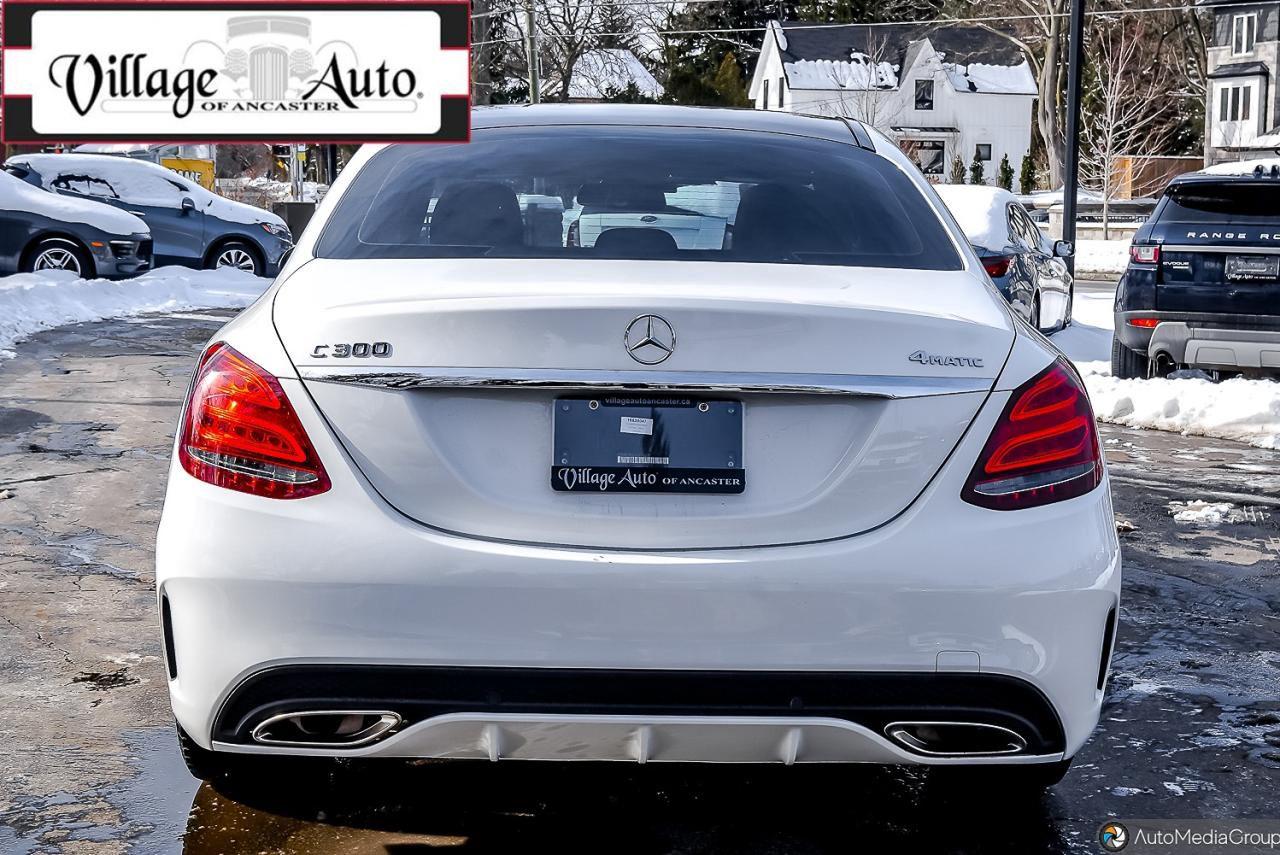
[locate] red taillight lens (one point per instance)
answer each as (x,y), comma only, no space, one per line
(996,265)
(240,432)
(1145,254)
(1044,448)
(1145,323)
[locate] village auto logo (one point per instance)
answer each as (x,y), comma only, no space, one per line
(240,70)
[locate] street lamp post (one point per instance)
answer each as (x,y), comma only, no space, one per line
(1071,182)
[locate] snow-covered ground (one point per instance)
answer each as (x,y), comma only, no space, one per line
(1188,402)
(30,302)
(1107,257)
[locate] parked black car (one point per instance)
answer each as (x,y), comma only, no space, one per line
(190,226)
(41,231)
(1024,264)
(1202,288)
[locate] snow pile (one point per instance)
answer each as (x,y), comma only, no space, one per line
(1240,167)
(598,72)
(262,191)
(30,302)
(1239,409)
(1101,256)
(138,182)
(1205,513)
(1000,79)
(858,72)
(980,211)
(18,195)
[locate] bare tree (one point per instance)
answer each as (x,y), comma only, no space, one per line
(1130,105)
(566,29)
(867,86)
(1040,29)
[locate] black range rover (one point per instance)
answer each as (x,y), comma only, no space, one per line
(1202,289)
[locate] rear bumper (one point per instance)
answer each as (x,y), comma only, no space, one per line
(1203,340)
(644,715)
(257,586)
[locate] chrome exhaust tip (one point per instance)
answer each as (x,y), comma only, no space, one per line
(955,738)
(325,728)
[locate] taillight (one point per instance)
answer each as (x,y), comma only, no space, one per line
(1145,254)
(573,238)
(240,432)
(996,265)
(1044,448)
(1145,323)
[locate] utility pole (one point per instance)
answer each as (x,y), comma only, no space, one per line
(1071,183)
(531,53)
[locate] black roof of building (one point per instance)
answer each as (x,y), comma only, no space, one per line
(1239,69)
(889,43)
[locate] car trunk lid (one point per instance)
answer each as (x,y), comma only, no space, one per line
(853,386)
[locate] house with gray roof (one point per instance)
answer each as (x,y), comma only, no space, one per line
(1242,101)
(940,91)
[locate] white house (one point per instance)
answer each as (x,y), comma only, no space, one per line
(941,91)
(604,73)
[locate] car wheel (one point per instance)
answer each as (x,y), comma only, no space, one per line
(1127,364)
(239,255)
(59,254)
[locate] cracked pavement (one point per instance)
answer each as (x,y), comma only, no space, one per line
(88,762)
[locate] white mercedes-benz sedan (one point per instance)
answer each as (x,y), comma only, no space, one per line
(463,484)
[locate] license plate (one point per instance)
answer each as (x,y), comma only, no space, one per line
(1254,267)
(647,444)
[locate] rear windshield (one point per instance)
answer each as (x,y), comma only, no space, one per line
(1223,203)
(638,193)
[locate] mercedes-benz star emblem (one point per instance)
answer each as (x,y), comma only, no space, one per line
(649,339)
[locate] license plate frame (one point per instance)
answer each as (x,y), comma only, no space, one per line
(1252,268)
(623,443)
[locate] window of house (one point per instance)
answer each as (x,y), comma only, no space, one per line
(766,94)
(983,151)
(929,155)
(924,94)
(782,98)
(1244,32)
(1234,103)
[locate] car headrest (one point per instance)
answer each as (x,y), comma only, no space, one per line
(623,196)
(636,243)
(477,213)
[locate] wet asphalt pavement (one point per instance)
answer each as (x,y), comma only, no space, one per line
(88,763)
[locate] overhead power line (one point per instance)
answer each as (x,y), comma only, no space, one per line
(993,19)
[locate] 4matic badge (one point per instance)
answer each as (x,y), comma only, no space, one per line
(950,361)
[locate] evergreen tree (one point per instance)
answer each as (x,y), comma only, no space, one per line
(1004,178)
(727,83)
(957,170)
(975,171)
(620,28)
(1027,177)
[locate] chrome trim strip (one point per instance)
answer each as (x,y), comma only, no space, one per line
(1234,250)
(697,382)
